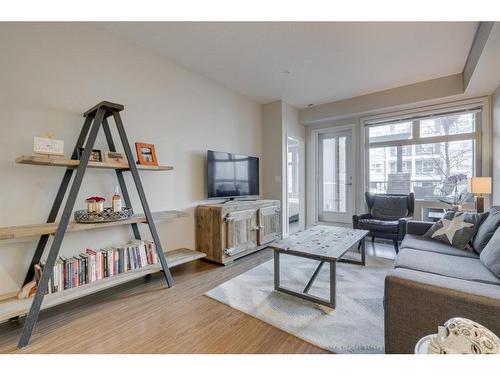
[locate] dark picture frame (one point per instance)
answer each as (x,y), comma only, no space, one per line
(146,153)
(95,155)
(115,157)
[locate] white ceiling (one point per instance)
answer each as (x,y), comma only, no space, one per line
(305,63)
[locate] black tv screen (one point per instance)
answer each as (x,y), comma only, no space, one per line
(231,175)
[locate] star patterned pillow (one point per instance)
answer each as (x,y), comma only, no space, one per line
(455,228)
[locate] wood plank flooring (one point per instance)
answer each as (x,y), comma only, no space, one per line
(144,317)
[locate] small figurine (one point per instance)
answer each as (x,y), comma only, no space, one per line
(29,290)
(463,336)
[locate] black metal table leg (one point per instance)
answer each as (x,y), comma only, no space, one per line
(313,277)
(363,252)
(333,284)
(276,270)
(330,302)
(361,262)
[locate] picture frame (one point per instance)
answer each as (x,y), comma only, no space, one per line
(146,153)
(48,146)
(95,155)
(115,157)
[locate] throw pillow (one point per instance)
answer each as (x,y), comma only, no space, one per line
(490,256)
(487,229)
(455,228)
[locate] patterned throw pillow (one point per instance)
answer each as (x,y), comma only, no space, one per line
(455,228)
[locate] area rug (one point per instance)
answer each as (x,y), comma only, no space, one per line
(356,325)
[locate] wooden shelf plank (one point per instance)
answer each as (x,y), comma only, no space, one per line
(13,307)
(19,231)
(69,163)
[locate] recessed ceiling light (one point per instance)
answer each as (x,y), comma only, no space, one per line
(310,105)
(287,72)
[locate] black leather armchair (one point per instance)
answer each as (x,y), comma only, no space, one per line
(387,217)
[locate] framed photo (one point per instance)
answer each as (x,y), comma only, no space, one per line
(146,153)
(48,146)
(115,157)
(95,155)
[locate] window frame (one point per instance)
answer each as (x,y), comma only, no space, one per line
(479,106)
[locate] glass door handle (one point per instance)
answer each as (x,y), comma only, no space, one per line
(348,183)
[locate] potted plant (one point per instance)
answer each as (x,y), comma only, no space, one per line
(458,196)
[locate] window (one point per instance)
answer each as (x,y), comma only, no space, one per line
(424,167)
(377,168)
(422,154)
(393,167)
(407,166)
(391,132)
(448,125)
(406,150)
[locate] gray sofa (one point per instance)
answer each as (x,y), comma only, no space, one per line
(433,282)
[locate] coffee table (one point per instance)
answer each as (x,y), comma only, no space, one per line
(325,244)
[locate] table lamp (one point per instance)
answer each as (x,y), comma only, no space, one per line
(480,186)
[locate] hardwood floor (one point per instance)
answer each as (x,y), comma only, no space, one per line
(145,317)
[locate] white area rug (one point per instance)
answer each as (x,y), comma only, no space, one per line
(355,326)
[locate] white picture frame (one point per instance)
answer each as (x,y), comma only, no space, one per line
(48,146)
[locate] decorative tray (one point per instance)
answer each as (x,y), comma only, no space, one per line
(106,216)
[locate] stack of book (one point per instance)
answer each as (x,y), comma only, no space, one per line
(93,265)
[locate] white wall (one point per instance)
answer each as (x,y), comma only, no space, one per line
(294,128)
(272,149)
(291,122)
(51,73)
(385,100)
(279,120)
(495,109)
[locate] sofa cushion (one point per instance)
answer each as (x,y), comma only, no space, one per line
(486,229)
(440,281)
(490,256)
(389,207)
(455,228)
(463,268)
(388,226)
(412,241)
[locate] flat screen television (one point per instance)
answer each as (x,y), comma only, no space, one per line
(232,175)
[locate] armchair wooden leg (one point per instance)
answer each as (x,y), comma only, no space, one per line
(396,246)
(373,239)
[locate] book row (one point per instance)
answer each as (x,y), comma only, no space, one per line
(93,265)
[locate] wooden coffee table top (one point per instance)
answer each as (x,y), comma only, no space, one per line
(320,242)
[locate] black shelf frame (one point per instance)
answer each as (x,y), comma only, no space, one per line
(94,118)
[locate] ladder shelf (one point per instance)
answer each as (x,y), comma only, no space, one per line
(95,119)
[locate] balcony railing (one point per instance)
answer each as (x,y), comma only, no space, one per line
(423,189)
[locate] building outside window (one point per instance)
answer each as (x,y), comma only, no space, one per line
(422,153)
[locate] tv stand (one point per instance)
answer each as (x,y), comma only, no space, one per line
(227,232)
(236,199)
